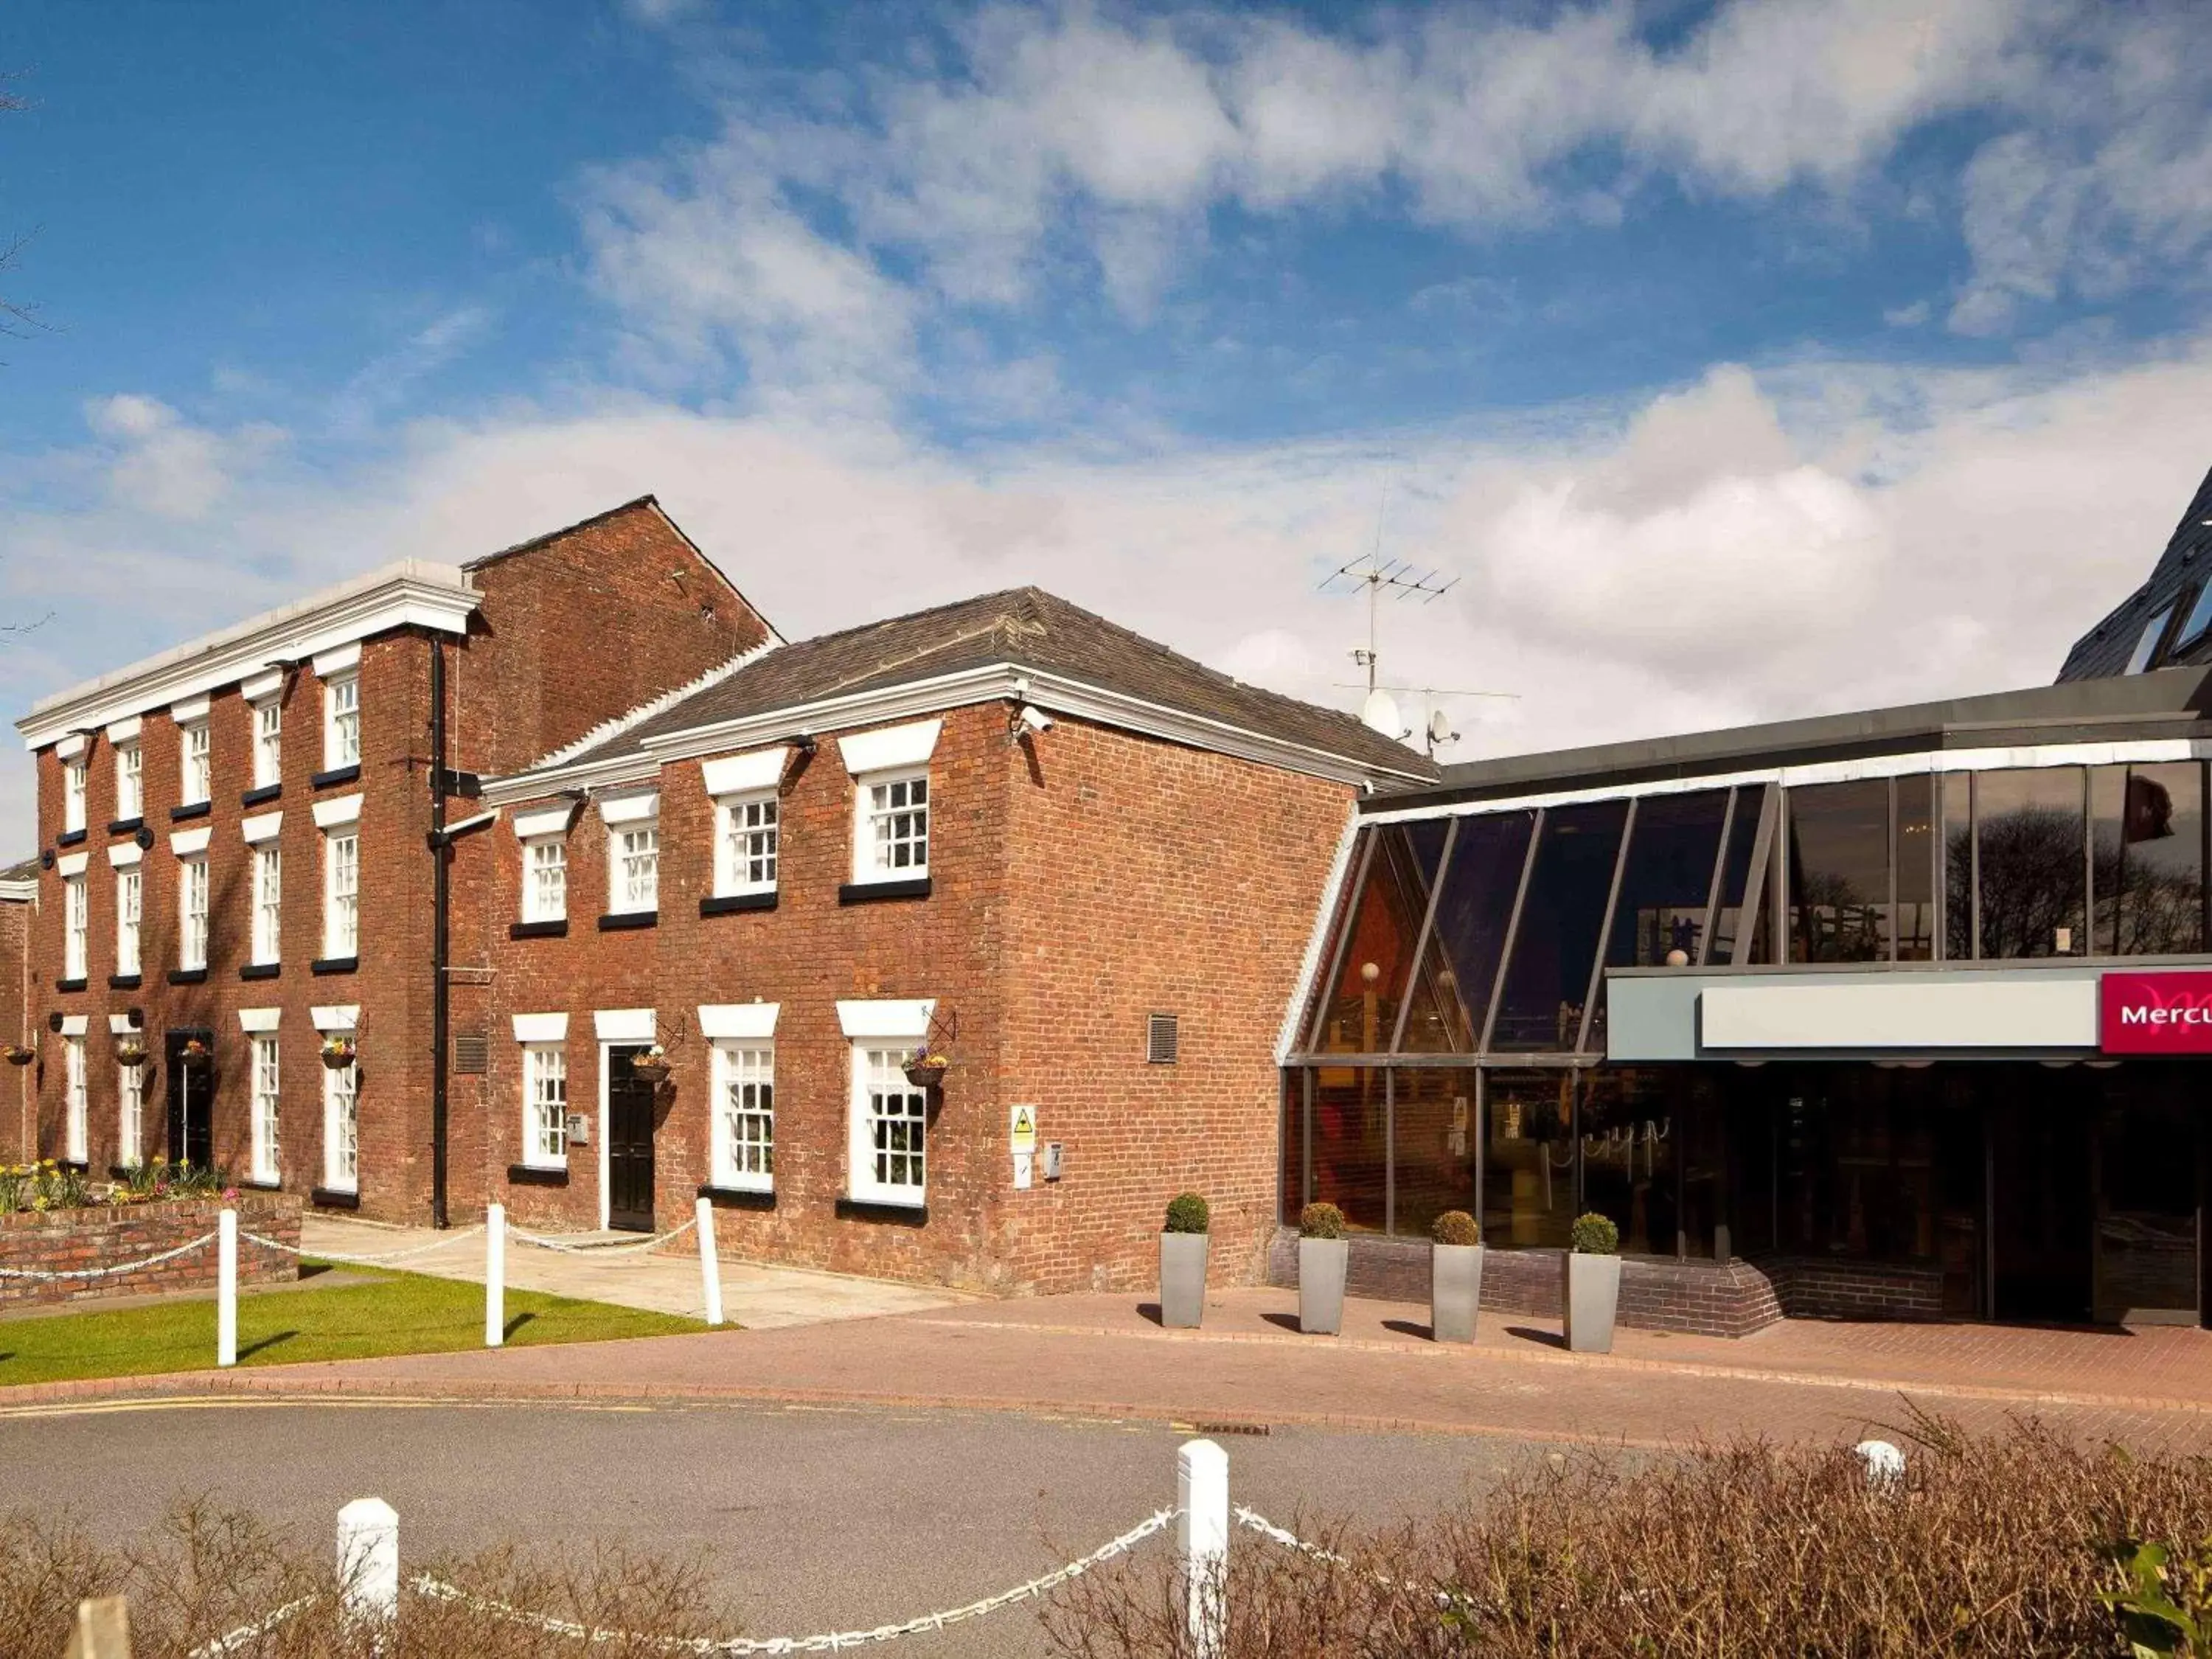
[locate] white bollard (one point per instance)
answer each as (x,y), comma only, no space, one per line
(1884,1464)
(368,1560)
(710,1265)
(1202,1538)
(226,1288)
(495,1275)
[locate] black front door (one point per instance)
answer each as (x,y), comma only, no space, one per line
(630,1145)
(190,1091)
(2043,1220)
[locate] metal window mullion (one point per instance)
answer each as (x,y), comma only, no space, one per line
(1896,921)
(1481,1143)
(1355,890)
(1974,864)
(1720,874)
(1389,1152)
(2088,946)
(1755,881)
(1421,938)
(1605,929)
(1512,930)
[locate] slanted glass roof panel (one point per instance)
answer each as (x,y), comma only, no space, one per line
(1668,880)
(2147,826)
(1548,980)
(2147,645)
(1360,1009)
(1472,913)
(2199,619)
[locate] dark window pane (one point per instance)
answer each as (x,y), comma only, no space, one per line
(1916,868)
(1529,1160)
(1541,1005)
(1736,878)
(2147,1224)
(1347,905)
(1435,1147)
(1668,879)
(1470,933)
(1349,1150)
(1839,871)
(1629,1147)
(2033,842)
(1957,867)
(1361,1010)
(2149,825)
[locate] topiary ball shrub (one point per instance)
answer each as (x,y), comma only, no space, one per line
(1188,1213)
(1594,1234)
(1456,1227)
(1321,1221)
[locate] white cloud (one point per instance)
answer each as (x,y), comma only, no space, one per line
(160,464)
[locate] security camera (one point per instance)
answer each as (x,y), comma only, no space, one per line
(1034,718)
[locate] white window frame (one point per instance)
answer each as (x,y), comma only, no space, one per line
(192,913)
(634,867)
(545,879)
(76,1129)
(268,931)
(195,762)
(268,739)
(545,1105)
(73,796)
(341,893)
(129,781)
(266,1079)
(76,926)
(342,1128)
(742,1122)
(878,1071)
(131,1115)
(341,721)
(129,916)
(870,852)
(742,824)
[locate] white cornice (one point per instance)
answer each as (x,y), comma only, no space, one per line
(20,891)
(994,682)
(411,593)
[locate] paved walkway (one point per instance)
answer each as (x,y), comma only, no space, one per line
(1105,1357)
(759,1298)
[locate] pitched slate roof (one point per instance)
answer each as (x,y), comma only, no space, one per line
(1028,628)
(2177,579)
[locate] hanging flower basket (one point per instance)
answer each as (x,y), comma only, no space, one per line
(650,1064)
(340,1052)
(16,1055)
(197,1054)
(925,1069)
(130,1052)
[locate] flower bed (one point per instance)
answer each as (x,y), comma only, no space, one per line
(76,1239)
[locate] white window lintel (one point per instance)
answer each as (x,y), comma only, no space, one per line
(330,814)
(630,809)
(623,1025)
(191,711)
(738,1021)
(70,747)
(892,749)
(543,821)
(186,844)
(745,775)
(262,828)
(74,1025)
(124,854)
(258,1019)
(120,1026)
(262,687)
(904,1017)
(125,730)
(541,1028)
(339,660)
(343,1017)
(72,864)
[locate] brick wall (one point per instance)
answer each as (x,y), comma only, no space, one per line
(75,1240)
(17,1096)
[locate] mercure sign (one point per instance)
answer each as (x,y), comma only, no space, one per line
(2155,1013)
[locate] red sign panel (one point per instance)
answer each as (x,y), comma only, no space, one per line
(2155,1013)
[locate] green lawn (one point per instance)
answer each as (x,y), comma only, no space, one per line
(396,1313)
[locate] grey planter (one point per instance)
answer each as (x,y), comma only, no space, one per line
(1182,1279)
(1589,1296)
(1454,1290)
(1320,1284)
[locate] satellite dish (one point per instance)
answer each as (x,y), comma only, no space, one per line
(1380,712)
(1440,727)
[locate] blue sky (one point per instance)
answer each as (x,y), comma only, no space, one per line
(1740,359)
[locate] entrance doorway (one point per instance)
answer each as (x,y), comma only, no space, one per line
(2148,1156)
(2041,1211)
(190,1099)
(629,1144)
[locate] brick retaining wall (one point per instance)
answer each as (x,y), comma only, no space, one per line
(77,1239)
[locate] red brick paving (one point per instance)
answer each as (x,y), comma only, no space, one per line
(1101,1356)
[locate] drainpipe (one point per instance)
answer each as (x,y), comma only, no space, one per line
(440,920)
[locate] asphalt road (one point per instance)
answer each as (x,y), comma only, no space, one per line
(811,1519)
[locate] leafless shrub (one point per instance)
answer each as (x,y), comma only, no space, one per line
(1990,1545)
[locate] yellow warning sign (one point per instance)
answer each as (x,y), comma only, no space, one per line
(1025,1128)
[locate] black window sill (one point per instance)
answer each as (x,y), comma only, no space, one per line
(71,984)
(187,975)
(621,921)
(334,965)
(903,1215)
(69,838)
(120,1172)
(539,929)
(729,903)
(260,970)
(77,1163)
(125,981)
(259,1186)
(324,1199)
(738,1198)
(267,792)
(193,809)
(867,892)
(531,1174)
(125,826)
(335,777)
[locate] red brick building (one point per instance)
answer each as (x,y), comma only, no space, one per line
(19,897)
(244,850)
(1082,870)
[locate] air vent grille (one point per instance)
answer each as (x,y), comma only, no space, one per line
(1161,1038)
(472,1053)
